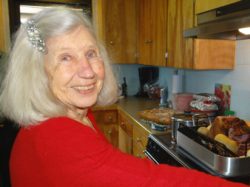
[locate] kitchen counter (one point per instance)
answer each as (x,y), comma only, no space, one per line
(131,106)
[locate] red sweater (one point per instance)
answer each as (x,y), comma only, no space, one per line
(62,152)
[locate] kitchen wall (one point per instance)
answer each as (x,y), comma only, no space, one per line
(239,79)
(204,81)
(132,77)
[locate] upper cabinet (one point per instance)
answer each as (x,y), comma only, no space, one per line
(115,21)
(205,5)
(4,27)
(180,17)
(152,32)
(188,53)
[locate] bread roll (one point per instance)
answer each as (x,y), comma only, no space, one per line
(248,152)
(209,127)
(229,143)
(203,130)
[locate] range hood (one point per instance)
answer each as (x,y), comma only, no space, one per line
(222,22)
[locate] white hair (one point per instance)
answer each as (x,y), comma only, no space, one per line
(25,96)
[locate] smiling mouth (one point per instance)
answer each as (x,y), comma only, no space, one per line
(85,88)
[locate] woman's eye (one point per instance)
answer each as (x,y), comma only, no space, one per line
(91,54)
(66,58)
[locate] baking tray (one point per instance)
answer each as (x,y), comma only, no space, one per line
(226,166)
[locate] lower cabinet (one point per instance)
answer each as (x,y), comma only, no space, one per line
(122,131)
(107,121)
(125,134)
(140,139)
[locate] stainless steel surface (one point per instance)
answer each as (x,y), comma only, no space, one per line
(151,157)
(223,22)
(224,166)
(177,120)
(188,120)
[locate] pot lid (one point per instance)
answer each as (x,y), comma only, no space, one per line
(182,117)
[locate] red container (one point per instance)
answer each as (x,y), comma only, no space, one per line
(181,101)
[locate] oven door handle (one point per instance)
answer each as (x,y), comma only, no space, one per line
(148,155)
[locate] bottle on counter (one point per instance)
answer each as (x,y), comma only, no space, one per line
(124,87)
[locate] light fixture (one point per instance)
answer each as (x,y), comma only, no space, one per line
(245,30)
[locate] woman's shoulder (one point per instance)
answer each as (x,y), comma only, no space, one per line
(53,126)
(55,122)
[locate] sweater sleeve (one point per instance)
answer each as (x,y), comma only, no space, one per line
(75,155)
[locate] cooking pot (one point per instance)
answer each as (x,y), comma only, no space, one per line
(187,119)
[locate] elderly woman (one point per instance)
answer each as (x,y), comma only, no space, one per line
(57,70)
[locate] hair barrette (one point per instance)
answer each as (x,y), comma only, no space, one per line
(35,37)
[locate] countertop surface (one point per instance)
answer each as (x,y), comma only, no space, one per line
(131,106)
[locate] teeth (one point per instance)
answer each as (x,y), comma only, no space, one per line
(81,88)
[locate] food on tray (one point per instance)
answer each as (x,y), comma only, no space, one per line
(230,126)
(203,130)
(229,143)
(248,152)
(231,131)
(157,115)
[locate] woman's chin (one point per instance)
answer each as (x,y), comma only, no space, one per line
(86,102)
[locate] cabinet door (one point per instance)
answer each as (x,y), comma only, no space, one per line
(111,133)
(152,32)
(125,141)
(125,134)
(180,49)
(205,5)
(140,139)
(107,121)
(116,20)
(4,27)
(214,54)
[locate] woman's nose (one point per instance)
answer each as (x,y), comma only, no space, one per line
(85,70)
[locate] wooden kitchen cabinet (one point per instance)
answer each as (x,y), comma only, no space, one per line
(189,53)
(140,139)
(125,133)
(107,121)
(152,32)
(116,23)
(213,54)
(4,27)
(205,5)
(180,49)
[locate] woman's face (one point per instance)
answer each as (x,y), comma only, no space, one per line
(74,68)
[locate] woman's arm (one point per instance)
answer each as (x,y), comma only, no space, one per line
(78,156)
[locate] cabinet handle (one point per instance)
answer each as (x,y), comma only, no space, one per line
(110,118)
(166,55)
(148,41)
(111,43)
(110,132)
(138,140)
(123,125)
